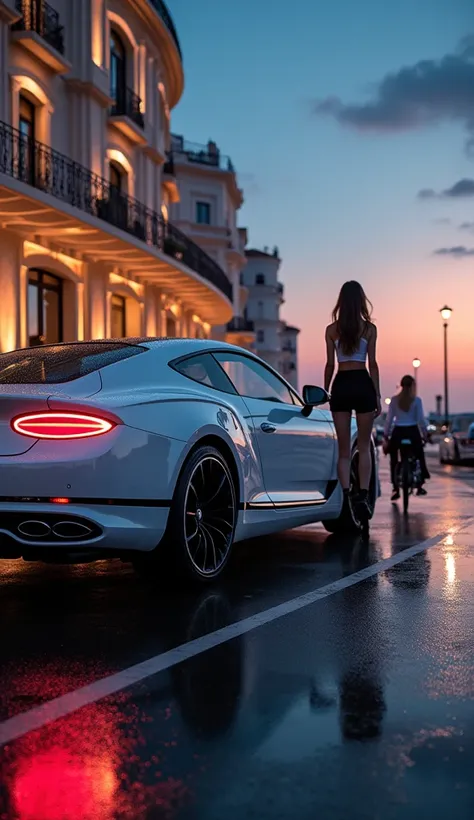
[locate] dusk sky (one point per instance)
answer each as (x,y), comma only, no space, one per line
(351,127)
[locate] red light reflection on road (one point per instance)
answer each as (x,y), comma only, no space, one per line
(56,785)
(93,765)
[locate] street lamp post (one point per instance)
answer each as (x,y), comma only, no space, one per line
(416,363)
(445,315)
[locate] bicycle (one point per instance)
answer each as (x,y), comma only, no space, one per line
(408,474)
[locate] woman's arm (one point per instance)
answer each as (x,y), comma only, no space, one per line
(390,419)
(329,369)
(373,366)
(420,417)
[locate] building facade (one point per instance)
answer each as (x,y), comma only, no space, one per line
(289,349)
(207,211)
(275,341)
(88,248)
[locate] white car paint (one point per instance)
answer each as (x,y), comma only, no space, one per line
(457,445)
(123,482)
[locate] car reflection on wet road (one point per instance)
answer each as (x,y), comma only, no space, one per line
(355,704)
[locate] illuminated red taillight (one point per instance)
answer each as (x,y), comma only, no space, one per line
(61,425)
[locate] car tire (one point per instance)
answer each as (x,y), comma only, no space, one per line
(203,516)
(347,522)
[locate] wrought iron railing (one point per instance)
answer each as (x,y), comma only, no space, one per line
(40,17)
(168,167)
(240,324)
(38,165)
(128,104)
(167,20)
(202,154)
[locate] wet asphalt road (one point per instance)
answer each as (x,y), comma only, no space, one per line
(360,705)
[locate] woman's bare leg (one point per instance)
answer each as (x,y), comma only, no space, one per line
(342,423)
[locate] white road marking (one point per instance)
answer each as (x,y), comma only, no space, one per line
(53,710)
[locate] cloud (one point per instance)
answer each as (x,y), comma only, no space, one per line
(462,189)
(466,226)
(428,92)
(442,220)
(457,252)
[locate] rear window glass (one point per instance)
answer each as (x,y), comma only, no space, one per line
(57,364)
(204,369)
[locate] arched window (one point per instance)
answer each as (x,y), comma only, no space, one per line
(27,137)
(118,69)
(45,308)
(116,177)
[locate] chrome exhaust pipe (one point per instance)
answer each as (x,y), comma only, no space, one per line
(34,529)
(69,530)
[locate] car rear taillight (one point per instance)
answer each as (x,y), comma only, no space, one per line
(61,425)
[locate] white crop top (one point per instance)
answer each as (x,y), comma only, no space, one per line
(359,354)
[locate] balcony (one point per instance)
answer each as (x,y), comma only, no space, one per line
(163,12)
(81,191)
(126,114)
(39,30)
(238,324)
(208,155)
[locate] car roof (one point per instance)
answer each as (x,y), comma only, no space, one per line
(169,347)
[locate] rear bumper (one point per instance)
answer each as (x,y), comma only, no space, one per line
(112,528)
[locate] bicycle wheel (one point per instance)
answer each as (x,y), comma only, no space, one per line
(405,485)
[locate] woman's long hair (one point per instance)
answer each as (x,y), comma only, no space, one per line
(352,311)
(405,397)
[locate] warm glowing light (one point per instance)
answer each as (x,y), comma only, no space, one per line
(388,402)
(61,425)
(32,248)
(196,319)
(166,107)
(449,540)
(174,309)
(59,500)
(116,279)
(450,568)
(446,312)
(206,327)
(164,212)
(416,363)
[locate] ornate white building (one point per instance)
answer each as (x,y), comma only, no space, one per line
(87,88)
(275,341)
(207,211)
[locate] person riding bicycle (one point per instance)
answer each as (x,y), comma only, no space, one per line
(406,420)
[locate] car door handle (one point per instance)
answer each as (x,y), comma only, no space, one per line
(265,427)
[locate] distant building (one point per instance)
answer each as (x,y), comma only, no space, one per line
(206,211)
(275,341)
(289,347)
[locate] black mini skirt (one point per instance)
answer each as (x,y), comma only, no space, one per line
(353,390)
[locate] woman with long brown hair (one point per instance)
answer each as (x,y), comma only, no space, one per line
(352,338)
(406,419)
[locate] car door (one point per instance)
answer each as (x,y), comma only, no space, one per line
(297,451)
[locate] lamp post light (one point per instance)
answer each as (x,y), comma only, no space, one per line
(416,363)
(445,315)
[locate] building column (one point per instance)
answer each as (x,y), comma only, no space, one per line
(150,311)
(96,302)
(236,291)
(13,312)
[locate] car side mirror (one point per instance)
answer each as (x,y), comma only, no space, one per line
(314,396)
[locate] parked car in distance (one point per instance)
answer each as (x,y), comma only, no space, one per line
(457,444)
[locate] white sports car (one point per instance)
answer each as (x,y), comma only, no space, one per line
(156,449)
